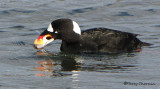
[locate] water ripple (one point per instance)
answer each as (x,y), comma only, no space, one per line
(8,12)
(28,34)
(5,12)
(151,10)
(123,14)
(19,43)
(22,11)
(156,25)
(17,27)
(38,29)
(3,31)
(82,10)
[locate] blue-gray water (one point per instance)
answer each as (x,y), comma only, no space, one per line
(22,67)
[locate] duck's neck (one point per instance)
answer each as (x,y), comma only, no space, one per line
(70,47)
(71,43)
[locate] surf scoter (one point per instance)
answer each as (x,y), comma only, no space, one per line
(91,40)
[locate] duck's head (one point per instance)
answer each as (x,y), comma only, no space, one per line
(64,29)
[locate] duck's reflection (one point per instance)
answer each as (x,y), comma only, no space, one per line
(55,64)
(69,65)
(63,65)
(45,65)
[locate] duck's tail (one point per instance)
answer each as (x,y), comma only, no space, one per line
(145,44)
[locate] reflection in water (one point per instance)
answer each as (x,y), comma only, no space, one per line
(55,64)
(69,65)
(64,65)
(75,79)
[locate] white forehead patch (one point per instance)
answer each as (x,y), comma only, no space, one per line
(50,28)
(76,28)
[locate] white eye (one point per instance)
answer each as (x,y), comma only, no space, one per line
(56,32)
(76,28)
(50,28)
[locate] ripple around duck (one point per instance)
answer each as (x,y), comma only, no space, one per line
(107,68)
(61,63)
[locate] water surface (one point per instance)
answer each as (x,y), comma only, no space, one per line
(23,67)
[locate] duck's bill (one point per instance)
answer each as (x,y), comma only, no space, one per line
(37,46)
(42,41)
(38,43)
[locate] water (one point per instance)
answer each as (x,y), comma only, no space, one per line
(23,67)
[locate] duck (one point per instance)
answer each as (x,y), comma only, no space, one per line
(94,40)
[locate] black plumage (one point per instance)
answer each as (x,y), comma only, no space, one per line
(93,40)
(108,40)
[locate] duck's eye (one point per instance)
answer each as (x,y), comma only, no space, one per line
(48,37)
(56,32)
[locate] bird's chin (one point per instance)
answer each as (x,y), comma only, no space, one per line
(39,46)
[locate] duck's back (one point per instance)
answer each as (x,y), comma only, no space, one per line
(107,40)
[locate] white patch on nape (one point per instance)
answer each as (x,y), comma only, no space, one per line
(76,28)
(50,28)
